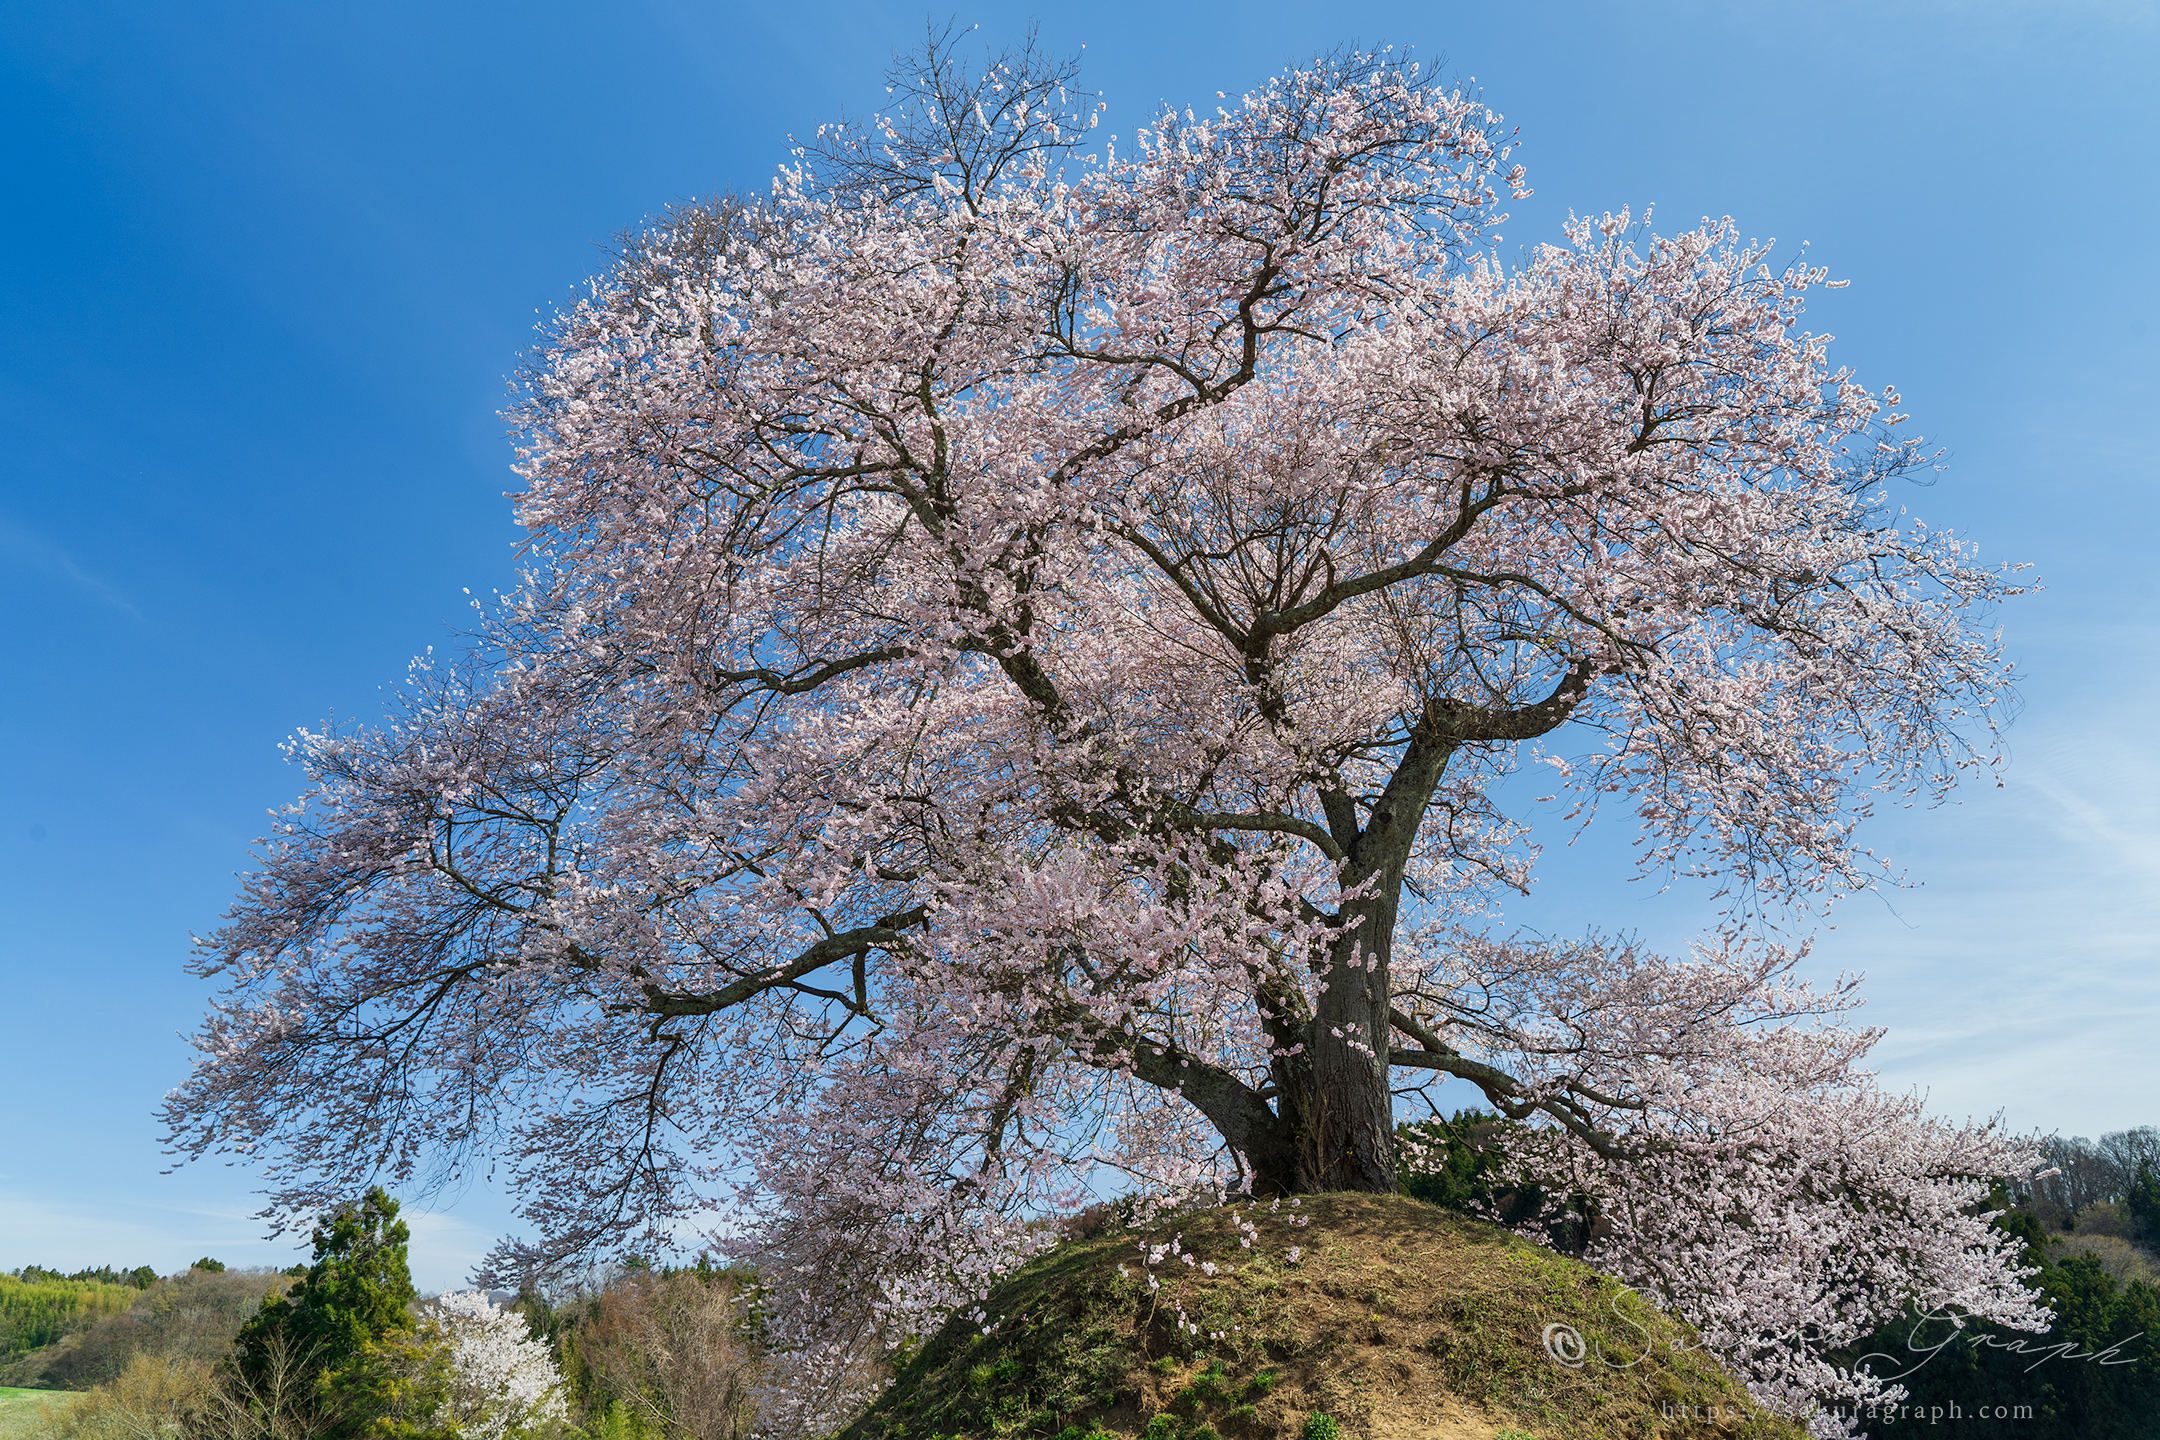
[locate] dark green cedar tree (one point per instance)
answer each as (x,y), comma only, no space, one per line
(357,1293)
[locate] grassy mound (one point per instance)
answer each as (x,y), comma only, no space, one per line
(1394,1321)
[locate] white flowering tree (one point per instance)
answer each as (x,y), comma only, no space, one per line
(1018,658)
(471,1370)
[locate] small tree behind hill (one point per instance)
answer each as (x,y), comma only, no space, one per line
(2143,1202)
(467,1370)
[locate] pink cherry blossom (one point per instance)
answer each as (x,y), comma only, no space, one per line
(1008,697)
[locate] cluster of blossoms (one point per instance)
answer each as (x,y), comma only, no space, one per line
(482,1372)
(1745,1172)
(1018,657)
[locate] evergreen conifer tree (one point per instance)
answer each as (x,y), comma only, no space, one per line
(357,1292)
(2143,1200)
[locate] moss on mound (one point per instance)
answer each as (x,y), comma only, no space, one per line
(1396,1321)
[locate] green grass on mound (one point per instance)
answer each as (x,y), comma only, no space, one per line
(1398,1321)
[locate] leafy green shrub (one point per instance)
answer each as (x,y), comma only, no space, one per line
(152,1397)
(1208,1387)
(1320,1427)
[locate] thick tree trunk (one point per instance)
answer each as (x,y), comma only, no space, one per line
(1330,1122)
(1334,1108)
(1347,1140)
(1348,1135)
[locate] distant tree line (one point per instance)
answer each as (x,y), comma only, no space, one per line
(140,1277)
(42,1307)
(189,1318)
(342,1348)
(37,1309)
(2118,1169)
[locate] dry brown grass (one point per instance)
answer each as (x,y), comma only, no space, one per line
(152,1399)
(1400,1322)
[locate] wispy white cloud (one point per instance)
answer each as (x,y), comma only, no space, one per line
(25,548)
(2021,975)
(445,1250)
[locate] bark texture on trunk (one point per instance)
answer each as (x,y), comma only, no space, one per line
(1348,1138)
(1332,1122)
(1348,1141)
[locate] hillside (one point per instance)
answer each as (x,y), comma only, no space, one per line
(1396,1320)
(36,1312)
(191,1316)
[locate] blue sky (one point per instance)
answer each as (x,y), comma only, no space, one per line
(267,268)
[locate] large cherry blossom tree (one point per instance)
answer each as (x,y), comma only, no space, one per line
(1018,661)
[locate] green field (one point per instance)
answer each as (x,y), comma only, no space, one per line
(19,1410)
